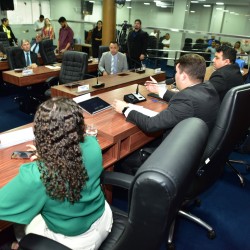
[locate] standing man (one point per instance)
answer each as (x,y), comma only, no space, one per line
(66,34)
(25,58)
(38,25)
(227,73)
(137,45)
(113,61)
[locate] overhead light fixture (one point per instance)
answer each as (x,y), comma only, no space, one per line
(192,11)
(219,3)
(207,5)
(194,2)
(146,3)
(129,7)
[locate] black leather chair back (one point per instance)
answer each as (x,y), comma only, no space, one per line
(4,40)
(101,50)
(158,188)
(74,66)
(11,55)
(232,122)
(46,49)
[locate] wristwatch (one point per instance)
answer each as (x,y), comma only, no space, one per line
(124,110)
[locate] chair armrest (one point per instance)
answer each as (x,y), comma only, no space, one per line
(51,81)
(38,242)
(116,179)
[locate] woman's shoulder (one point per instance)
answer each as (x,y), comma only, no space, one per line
(30,172)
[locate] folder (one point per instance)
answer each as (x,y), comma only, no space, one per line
(94,105)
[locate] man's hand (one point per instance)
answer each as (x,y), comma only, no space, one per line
(142,57)
(119,105)
(152,85)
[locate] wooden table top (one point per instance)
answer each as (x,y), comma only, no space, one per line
(40,74)
(112,129)
(111,82)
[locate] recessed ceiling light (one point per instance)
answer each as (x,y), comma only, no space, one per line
(146,3)
(194,2)
(207,5)
(219,3)
(129,7)
(192,11)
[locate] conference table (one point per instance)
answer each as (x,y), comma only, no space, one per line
(40,74)
(116,137)
(111,82)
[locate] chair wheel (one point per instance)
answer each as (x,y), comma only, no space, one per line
(171,246)
(211,234)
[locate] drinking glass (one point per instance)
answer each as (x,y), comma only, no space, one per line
(91,130)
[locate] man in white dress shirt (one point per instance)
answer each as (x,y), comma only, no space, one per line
(35,45)
(113,61)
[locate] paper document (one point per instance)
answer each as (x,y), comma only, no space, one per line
(16,137)
(143,110)
(52,67)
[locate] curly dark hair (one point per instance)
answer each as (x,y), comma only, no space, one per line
(59,128)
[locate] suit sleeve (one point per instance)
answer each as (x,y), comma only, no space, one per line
(217,79)
(144,43)
(101,65)
(168,95)
(179,109)
(125,63)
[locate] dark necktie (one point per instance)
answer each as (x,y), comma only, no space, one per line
(34,49)
(27,59)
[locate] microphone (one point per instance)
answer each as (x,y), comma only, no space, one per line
(97,85)
(140,70)
(134,97)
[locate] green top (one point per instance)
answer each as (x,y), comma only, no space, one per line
(25,196)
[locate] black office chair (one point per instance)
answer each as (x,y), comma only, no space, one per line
(46,50)
(232,122)
(154,193)
(74,67)
(101,50)
(33,95)
(5,41)
(11,54)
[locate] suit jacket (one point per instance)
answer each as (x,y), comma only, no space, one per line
(105,62)
(201,101)
(20,61)
(137,44)
(11,33)
(226,78)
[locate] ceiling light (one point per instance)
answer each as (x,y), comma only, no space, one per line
(207,5)
(146,3)
(129,7)
(194,2)
(192,11)
(219,3)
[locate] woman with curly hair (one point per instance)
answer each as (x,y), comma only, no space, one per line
(59,195)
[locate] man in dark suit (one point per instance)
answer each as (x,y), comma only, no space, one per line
(25,58)
(137,44)
(227,73)
(194,99)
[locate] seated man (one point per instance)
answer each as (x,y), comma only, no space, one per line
(113,61)
(194,99)
(227,74)
(26,58)
(35,44)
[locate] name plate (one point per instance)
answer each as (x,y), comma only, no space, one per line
(83,88)
(27,72)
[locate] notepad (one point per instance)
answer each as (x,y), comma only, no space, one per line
(94,105)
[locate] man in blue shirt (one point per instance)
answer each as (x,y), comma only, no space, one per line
(25,58)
